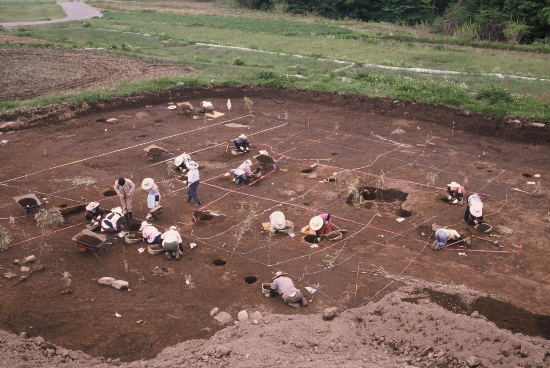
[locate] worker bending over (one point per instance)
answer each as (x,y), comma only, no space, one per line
(283,285)
(455,193)
(318,225)
(112,223)
(243,172)
(171,242)
(242,143)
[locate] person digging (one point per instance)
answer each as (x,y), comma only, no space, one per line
(277,221)
(242,143)
(442,236)
(242,173)
(182,161)
(171,242)
(318,226)
(282,284)
(153,196)
(206,106)
(150,234)
(474,209)
(94,213)
(125,190)
(112,223)
(455,193)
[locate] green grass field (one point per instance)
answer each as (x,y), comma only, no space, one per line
(28,11)
(174,37)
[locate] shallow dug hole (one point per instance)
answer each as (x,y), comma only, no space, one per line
(219,262)
(89,240)
(250,279)
(134,226)
(502,314)
(310,238)
(109,193)
(27,202)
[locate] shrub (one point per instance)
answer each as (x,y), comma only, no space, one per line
(494,95)
(239,62)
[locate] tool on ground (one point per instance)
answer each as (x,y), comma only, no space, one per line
(496,243)
(468,241)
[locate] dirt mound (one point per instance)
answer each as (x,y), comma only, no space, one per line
(405,328)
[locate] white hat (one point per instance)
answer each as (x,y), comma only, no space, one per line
(193,165)
(278,219)
(476,209)
(91,206)
(178,160)
(173,107)
(117,210)
(279,273)
(147,183)
(248,162)
(242,136)
(143,225)
(453,185)
(316,223)
(173,228)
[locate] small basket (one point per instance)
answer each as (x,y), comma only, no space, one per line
(266,288)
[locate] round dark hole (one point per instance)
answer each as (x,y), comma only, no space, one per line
(483,228)
(310,238)
(203,216)
(250,279)
(334,153)
(404,213)
(134,226)
(63,205)
(332,180)
(109,193)
(527,175)
(490,170)
(307,171)
(219,262)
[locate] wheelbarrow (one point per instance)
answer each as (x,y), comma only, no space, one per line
(28,202)
(266,164)
(88,240)
(154,151)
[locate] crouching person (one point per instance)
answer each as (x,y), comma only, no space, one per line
(442,236)
(150,234)
(171,242)
(283,285)
(112,223)
(94,213)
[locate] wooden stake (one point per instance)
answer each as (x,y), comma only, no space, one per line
(356,281)
(169,315)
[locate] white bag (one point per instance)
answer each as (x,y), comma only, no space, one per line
(150,201)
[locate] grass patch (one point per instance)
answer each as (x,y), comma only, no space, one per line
(15,11)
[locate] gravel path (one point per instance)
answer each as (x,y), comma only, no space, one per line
(75,11)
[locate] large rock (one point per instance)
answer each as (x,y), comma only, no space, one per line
(29,259)
(255,315)
(330,313)
(224,318)
(106,281)
(473,361)
(222,351)
(120,284)
(39,340)
(242,316)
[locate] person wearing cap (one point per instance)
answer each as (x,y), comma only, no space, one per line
(319,225)
(206,106)
(474,209)
(171,242)
(125,190)
(193,181)
(277,221)
(242,143)
(112,223)
(243,172)
(282,284)
(455,193)
(150,234)
(181,161)
(442,236)
(94,212)
(153,194)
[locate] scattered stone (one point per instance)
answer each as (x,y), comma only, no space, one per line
(39,340)
(120,284)
(29,259)
(223,317)
(23,335)
(222,350)
(66,292)
(9,275)
(330,313)
(24,269)
(475,314)
(64,353)
(16,261)
(255,315)
(214,311)
(140,321)
(242,316)
(299,344)
(48,346)
(112,121)
(473,361)
(106,280)
(255,321)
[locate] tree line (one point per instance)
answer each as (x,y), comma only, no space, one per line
(514,21)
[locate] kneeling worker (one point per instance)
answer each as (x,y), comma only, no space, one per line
(94,213)
(318,225)
(442,236)
(242,143)
(474,209)
(455,193)
(283,285)
(243,172)
(172,243)
(112,223)
(277,221)
(150,233)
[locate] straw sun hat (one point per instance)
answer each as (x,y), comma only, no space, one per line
(147,183)
(316,223)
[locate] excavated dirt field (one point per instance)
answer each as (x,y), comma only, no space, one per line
(30,73)
(348,139)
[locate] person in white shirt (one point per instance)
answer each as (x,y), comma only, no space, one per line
(283,285)
(193,183)
(171,242)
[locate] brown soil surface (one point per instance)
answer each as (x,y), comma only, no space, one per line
(375,256)
(17,39)
(30,73)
